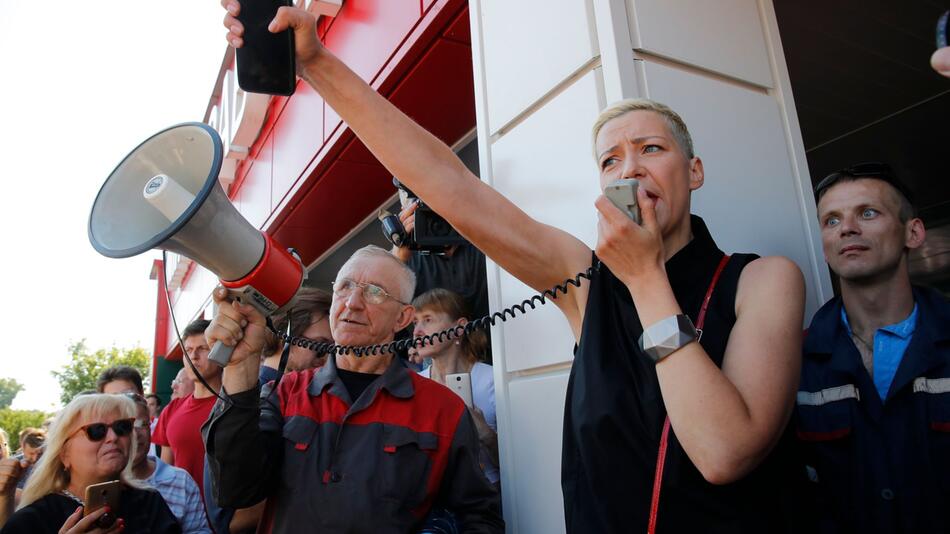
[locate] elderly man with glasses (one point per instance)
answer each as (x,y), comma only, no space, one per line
(873,407)
(362,444)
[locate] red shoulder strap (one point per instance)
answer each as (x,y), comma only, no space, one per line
(664,437)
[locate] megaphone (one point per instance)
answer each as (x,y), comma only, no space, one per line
(165,195)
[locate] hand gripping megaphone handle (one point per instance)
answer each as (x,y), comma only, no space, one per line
(220,354)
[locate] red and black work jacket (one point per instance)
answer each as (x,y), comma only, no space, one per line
(328,464)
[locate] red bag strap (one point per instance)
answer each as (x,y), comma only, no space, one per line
(664,437)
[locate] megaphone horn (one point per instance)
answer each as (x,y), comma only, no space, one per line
(165,195)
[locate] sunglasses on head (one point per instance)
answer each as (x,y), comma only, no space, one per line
(98,431)
(868,169)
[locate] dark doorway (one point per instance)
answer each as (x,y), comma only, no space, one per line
(864,90)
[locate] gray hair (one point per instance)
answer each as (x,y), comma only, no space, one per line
(406,278)
(673,120)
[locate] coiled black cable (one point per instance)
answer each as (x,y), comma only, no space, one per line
(447,334)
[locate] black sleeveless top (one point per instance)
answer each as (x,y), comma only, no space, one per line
(614,415)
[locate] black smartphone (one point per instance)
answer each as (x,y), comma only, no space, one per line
(265,64)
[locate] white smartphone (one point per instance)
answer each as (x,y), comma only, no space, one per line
(461,384)
(623,194)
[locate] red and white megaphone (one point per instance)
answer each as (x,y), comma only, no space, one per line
(165,195)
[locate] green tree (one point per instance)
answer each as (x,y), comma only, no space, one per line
(9,388)
(13,421)
(84,367)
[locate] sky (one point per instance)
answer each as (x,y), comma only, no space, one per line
(81,85)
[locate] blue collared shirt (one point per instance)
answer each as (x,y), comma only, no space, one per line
(890,343)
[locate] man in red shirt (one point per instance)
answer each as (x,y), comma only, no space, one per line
(179,427)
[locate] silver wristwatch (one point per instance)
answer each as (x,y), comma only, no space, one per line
(668,336)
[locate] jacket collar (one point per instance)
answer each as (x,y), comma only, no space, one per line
(828,339)
(396,380)
(924,353)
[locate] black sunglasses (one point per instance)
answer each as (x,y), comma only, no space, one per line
(98,431)
(868,169)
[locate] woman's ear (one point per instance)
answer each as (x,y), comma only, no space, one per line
(462,321)
(696,174)
(64,456)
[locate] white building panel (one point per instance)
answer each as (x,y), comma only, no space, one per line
(537,412)
(190,303)
(723,36)
(545,166)
(533,46)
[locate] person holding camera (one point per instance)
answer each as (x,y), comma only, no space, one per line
(659,424)
(452,263)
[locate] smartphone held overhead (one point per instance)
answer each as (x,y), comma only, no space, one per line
(266,61)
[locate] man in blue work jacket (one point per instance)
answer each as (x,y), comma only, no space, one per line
(873,407)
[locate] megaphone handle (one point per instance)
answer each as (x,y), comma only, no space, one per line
(220,353)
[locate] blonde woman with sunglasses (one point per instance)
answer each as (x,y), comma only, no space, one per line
(90,443)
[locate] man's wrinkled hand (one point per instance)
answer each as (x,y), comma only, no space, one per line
(237,325)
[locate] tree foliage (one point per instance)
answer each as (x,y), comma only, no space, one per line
(13,421)
(9,388)
(84,367)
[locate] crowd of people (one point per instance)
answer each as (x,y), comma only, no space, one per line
(695,400)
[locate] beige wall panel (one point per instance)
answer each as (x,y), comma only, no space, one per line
(195,296)
(532,46)
(537,411)
(723,36)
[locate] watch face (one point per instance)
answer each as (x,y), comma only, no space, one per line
(668,336)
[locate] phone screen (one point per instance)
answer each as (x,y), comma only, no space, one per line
(265,64)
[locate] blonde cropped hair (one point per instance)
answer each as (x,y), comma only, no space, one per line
(49,475)
(673,120)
